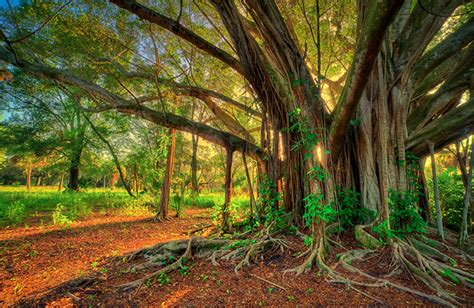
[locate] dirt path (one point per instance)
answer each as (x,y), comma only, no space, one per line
(39,266)
(34,260)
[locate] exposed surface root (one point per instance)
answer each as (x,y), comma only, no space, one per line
(240,248)
(416,257)
(316,253)
(423,262)
(173,266)
(425,267)
(249,250)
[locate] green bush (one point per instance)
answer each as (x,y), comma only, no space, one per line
(14,213)
(350,211)
(60,217)
(404,216)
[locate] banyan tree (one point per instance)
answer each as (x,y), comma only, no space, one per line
(407,87)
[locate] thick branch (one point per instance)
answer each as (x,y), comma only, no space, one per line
(114,101)
(443,131)
(420,29)
(379,16)
(233,125)
(175,27)
(433,104)
(438,75)
(449,46)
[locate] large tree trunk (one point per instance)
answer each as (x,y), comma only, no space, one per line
(166,187)
(73,183)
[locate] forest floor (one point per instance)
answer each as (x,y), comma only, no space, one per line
(44,265)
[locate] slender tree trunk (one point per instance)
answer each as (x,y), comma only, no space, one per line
(38,180)
(463,233)
(423,203)
(29,169)
(61,181)
(439,218)
(135,179)
(228,191)
(194,177)
(114,156)
(253,203)
(166,187)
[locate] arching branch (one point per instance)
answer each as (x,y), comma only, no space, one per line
(443,131)
(420,29)
(115,102)
(193,91)
(175,27)
(449,46)
(432,104)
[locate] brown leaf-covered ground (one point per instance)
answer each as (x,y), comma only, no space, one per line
(50,266)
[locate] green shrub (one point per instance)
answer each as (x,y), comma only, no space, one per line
(134,208)
(350,211)
(15,213)
(404,216)
(60,217)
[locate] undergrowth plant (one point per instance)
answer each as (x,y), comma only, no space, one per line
(350,211)
(405,219)
(268,199)
(60,217)
(14,213)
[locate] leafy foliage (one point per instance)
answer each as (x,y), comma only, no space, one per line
(350,211)
(317,210)
(404,216)
(451,194)
(268,199)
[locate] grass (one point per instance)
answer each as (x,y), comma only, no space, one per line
(210,200)
(62,208)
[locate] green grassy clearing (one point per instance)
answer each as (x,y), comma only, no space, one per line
(45,205)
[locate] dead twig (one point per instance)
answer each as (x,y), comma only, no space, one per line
(268,281)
